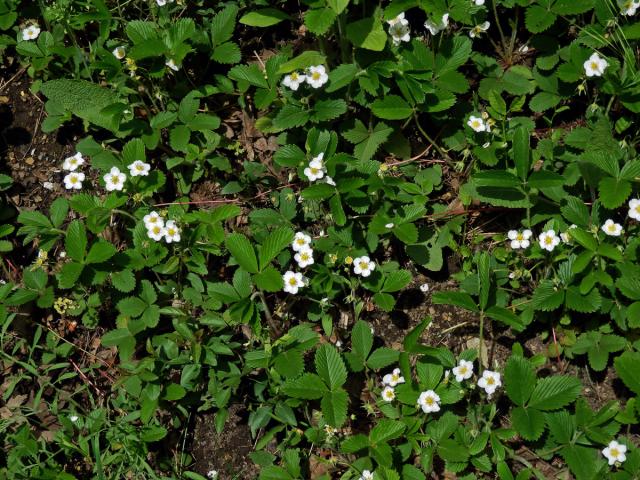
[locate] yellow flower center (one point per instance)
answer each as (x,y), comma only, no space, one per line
(139,167)
(462,370)
(364,265)
(638,209)
(315,170)
(73,161)
(490,381)
(548,240)
(293,281)
(300,241)
(304,256)
(115,179)
(615,452)
(520,237)
(171,231)
(594,65)
(315,75)
(389,394)
(395,377)
(476,124)
(612,227)
(294,76)
(429,401)
(74,179)
(156,229)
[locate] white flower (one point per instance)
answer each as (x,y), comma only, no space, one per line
(304,257)
(293,281)
(212,474)
(317,76)
(634,208)
(477,124)
(478,2)
(363,266)
(397,19)
(595,66)
(315,170)
(156,232)
(72,163)
(435,28)
(73,181)
(293,80)
(479,29)
(519,239)
(74,418)
(393,379)
(114,180)
(611,228)
(489,381)
(388,394)
(48,185)
(630,7)
(153,219)
(548,240)
(301,241)
(429,401)
(31,32)
(162,3)
(119,52)
(400,32)
(389,225)
(615,452)
(424,288)
(366,475)
(463,371)
(172,64)
(171,232)
(330,181)
(139,169)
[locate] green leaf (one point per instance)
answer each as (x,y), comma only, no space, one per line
(289,363)
(269,280)
(325,110)
(306,59)
(542,101)
(459,299)
(626,366)
(124,281)
(361,339)
(407,233)
(240,248)
(334,407)
(101,251)
(519,379)
(385,301)
(528,422)
(581,460)
(222,25)
(75,242)
(505,316)
(545,179)
(330,366)
(58,211)
(538,19)
(69,274)
(598,347)
(265,17)
(547,297)
(276,241)
(613,192)
(308,387)
(289,156)
(367,142)
(555,392)
(521,154)
(131,306)
(341,76)
(578,302)
(386,430)
(367,33)
(290,116)
(122,339)
(250,74)
(391,107)
(396,281)
(451,451)
(382,357)
(484,280)
(338,6)
(228,53)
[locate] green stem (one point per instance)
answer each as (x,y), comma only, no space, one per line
(495,15)
(126,214)
(481,342)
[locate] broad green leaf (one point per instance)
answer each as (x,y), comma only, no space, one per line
(264,17)
(391,107)
(101,251)
(122,339)
(75,242)
(528,422)
(240,248)
(626,366)
(269,280)
(396,280)
(334,407)
(308,58)
(382,357)
(386,430)
(319,20)
(309,387)
(367,33)
(330,366)
(519,379)
(459,299)
(276,241)
(361,339)
(555,392)
(521,154)
(484,280)
(613,192)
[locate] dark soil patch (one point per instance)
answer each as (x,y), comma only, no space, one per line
(227,452)
(31,157)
